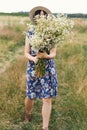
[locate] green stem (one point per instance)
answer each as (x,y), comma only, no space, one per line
(40,68)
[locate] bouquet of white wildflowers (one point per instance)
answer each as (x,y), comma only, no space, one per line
(50,31)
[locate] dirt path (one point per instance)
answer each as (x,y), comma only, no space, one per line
(9,58)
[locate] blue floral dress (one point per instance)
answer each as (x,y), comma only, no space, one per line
(45,86)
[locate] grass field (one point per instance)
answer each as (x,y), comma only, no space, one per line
(69,111)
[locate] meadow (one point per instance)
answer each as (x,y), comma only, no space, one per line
(69,111)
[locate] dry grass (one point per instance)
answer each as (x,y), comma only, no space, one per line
(70,106)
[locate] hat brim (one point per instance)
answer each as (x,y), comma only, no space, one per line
(38,8)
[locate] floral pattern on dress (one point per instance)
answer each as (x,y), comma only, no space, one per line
(44,87)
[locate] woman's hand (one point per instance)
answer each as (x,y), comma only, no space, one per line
(47,56)
(42,54)
(35,59)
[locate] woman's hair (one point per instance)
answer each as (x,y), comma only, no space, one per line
(38,12)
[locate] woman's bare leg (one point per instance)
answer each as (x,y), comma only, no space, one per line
(46,111)
(28,108)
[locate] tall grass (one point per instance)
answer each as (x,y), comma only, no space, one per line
(69,111)
(12,38)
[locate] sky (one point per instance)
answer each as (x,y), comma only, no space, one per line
(56,6)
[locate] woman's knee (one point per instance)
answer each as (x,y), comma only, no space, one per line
(27,100)
(47,100)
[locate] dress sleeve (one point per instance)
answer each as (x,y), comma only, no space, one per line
(30,33)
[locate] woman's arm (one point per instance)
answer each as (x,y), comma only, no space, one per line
(27,51)
(47,56)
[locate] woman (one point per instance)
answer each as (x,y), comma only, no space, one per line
(45,87)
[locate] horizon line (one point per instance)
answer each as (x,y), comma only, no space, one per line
(53,12)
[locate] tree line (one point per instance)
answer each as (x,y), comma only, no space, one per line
(73,15)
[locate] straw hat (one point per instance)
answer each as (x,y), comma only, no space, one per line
(36,10)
